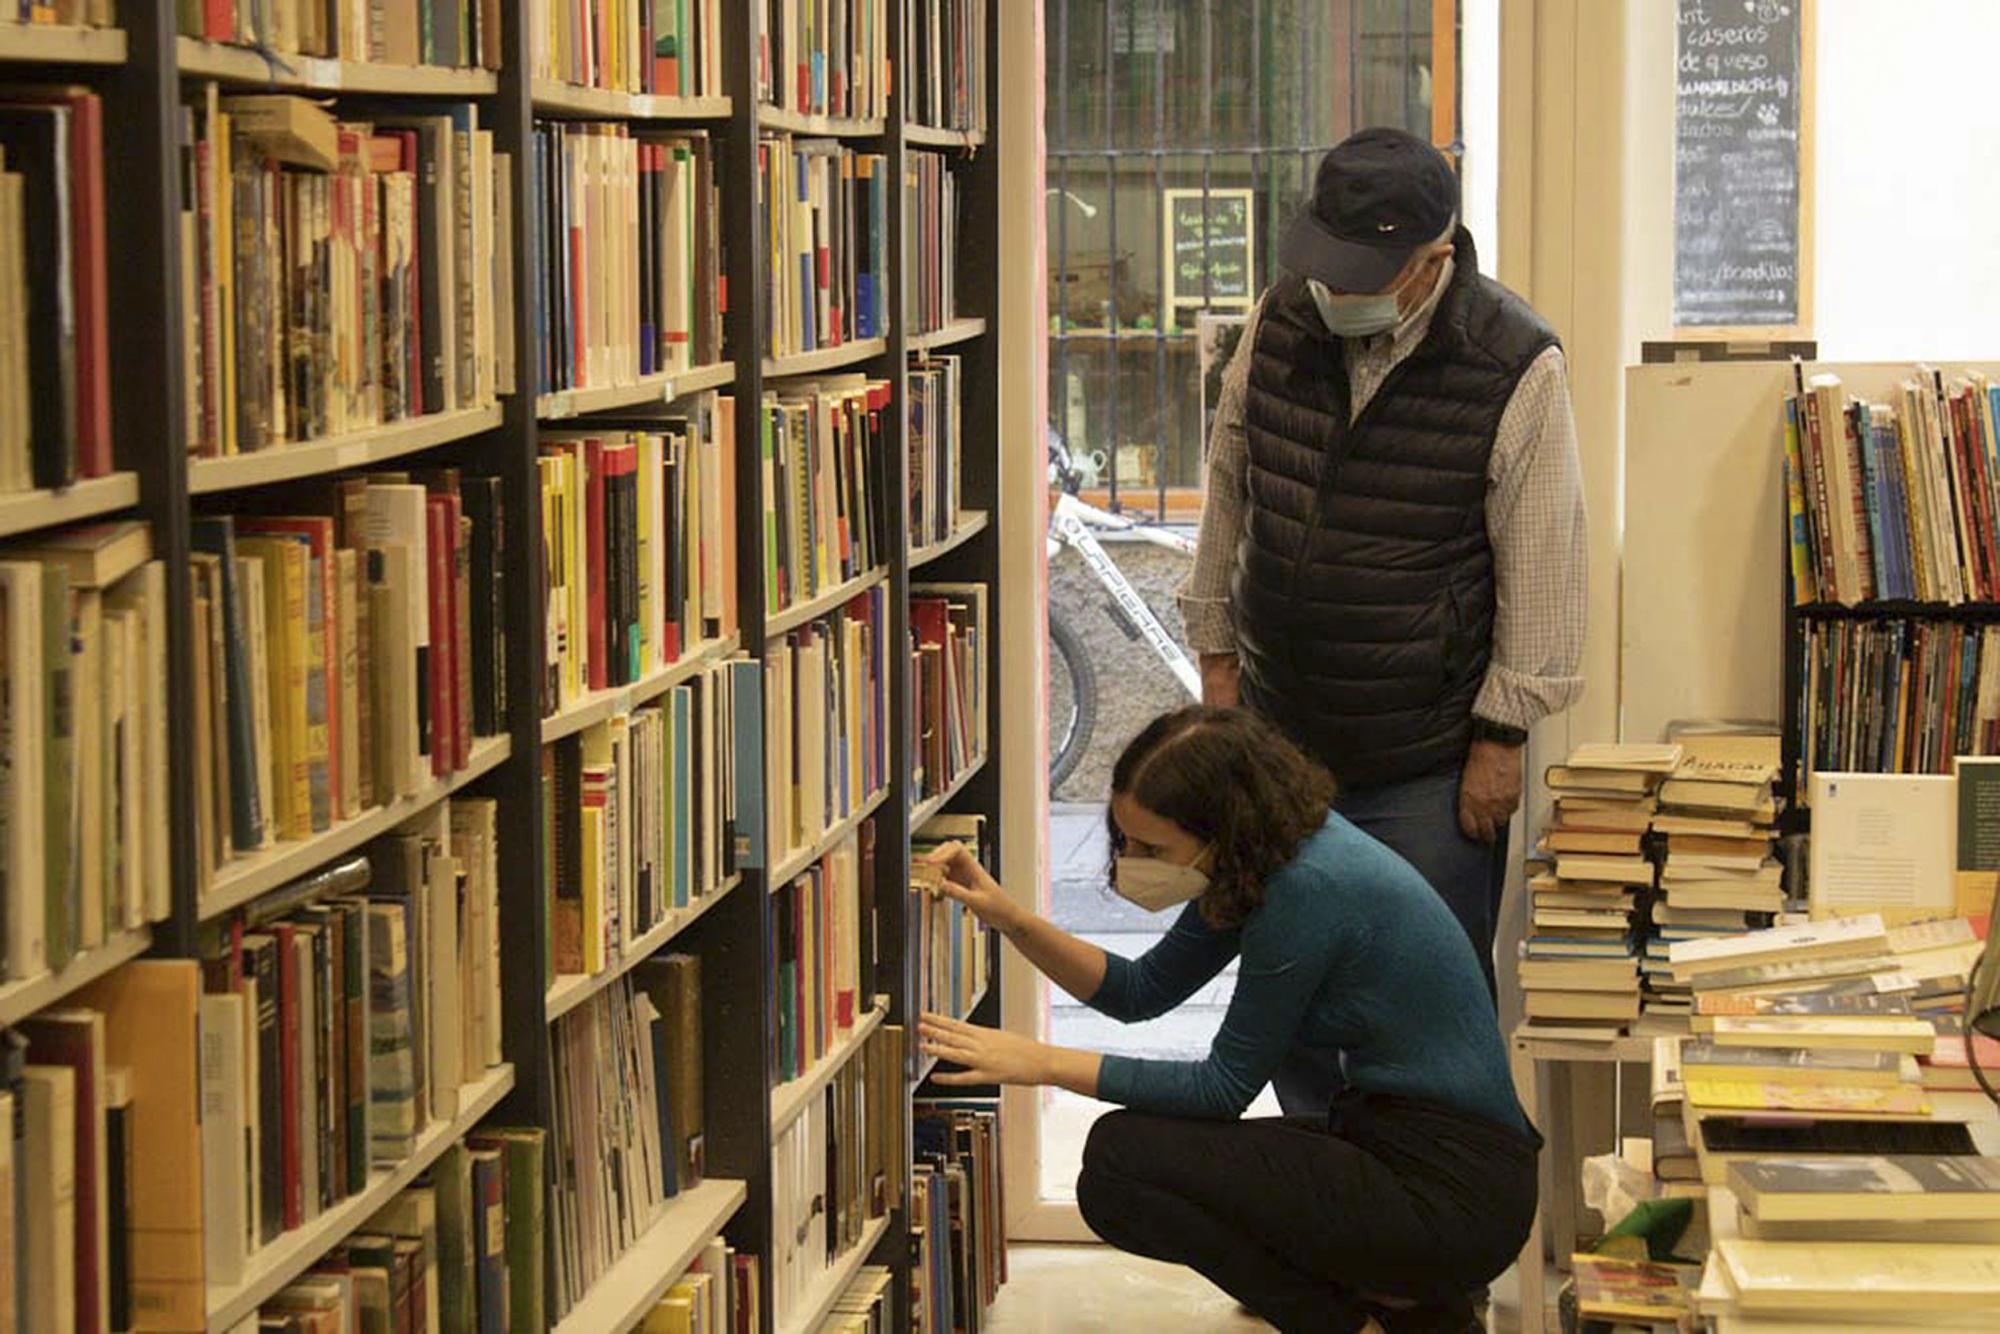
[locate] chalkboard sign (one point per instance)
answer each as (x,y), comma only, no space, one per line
(1207,256)
(1741,107)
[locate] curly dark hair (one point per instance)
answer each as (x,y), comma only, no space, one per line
(1232,780)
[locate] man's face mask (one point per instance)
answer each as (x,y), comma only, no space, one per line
(1361,315)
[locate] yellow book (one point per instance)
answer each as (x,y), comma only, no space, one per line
(674,1315)
(1899,1100)
(1868,1277)
(592,825)
(290,660)
(1915,1036)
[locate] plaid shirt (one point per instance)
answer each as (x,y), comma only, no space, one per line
(1534,520)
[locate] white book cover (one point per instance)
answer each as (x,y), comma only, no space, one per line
(225,1171)
(1884,844)
(1857,935)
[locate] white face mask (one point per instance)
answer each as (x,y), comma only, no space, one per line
(1156,885)
(1360,316)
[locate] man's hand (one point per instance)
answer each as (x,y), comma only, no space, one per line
(1219,674)
(1490,790)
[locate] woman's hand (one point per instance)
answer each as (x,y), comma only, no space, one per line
(989,1055)
(966,880)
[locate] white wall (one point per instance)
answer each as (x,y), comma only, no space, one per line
(1907,202)
(1479,120)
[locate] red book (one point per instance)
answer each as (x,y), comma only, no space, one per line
(444,632)
(288,1071)
(75,1038)
(598,614)
(579,285)
(219,20)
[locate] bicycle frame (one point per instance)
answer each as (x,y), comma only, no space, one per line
(1070,523)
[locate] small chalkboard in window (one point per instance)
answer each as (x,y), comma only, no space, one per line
(1742,166)
(1207,260)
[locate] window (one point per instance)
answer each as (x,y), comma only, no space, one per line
(1183,135)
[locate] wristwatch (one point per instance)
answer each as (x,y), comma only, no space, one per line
(1485,729)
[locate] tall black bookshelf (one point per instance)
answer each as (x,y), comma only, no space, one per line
(145,72)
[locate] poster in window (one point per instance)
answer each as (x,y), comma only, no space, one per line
(1208,261)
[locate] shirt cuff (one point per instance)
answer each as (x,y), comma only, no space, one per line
(1521,700)
(1117,1079)
(1209,628)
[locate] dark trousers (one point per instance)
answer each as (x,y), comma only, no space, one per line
(1301,1220)
(1418,819)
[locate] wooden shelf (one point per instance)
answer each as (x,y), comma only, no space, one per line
(236,64)
(796,862)
(54,44)
(1622,1048)
(971,523)
(824,359)
(790,1098)
(26,511)
(598,705)
(927,1064)
(277,1264)
(244,879)
(791,618)
(573,989)
(356,449)
(927,136)
(950,333)
(662,388)
(22,998)
(930,806)
(834,127)
(826,1289)
(555,98)
(634,1285)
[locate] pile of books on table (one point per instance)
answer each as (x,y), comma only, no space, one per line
(1715,829)
(1580,973)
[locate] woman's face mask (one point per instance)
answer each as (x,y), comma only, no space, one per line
(1156,885)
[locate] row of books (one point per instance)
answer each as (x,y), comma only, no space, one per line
(949,644)
(950,949)
(628,1117)
(829,58)
(1650,845)
(1895,696)
(630,257)
(638,543)
(827,715)
(945,82)
(345,274)
(823,982)
(823,237)
(866,1305)
(460,1250)
(835,1168)
(719,1294)
(341,1019)
(1896,500)
(669,48)
(451,33)
(346,653)
(957,1215)
(641,815)
(84,827)
(935,385)
(824,521)
(930,213)
(55,361)
(74,13)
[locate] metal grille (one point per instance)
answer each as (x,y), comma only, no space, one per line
(1186,105)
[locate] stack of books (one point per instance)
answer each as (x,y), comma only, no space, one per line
(1718,877)
(957,1213)
(641,571)
(832,1170)
(829,58)
(717,1295)
(864,1307)
(83,745)
(462,33)
(55,367)
(348,274)
(1580,976)
(936,446)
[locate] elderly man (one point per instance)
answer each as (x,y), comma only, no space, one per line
(1391,560)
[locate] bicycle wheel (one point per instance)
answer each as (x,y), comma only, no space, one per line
(1072,700)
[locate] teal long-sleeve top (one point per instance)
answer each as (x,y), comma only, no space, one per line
(1351,951)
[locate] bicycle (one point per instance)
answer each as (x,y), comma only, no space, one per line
(1072,676)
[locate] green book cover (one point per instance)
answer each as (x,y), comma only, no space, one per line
(523,1153)
(451,1177)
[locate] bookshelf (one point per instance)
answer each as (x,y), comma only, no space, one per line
(147,74)
(827,1288)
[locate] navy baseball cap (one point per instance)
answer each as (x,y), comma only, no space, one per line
(1380,194)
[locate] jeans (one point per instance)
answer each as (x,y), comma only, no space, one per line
(1418,819)
(1305,1219)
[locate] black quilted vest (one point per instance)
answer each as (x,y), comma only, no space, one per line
(1363,591)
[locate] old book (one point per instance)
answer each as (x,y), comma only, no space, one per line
(1890,1100)
(74,1036)
(1564,839)
(1585,866)
(413,1215)
(393,1120)
(1912,1035)
(1812,940)
(1631,756)
(23,731)
(1710,1006)
(1861,1276)
(48,1161)
(1794,1065)
(1579,975)
(451,1187)
(226,1168)
(489,1237)
(1581,1004)
(1633,1291)
(523,1151)
(118,1190)
(1903,1188)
